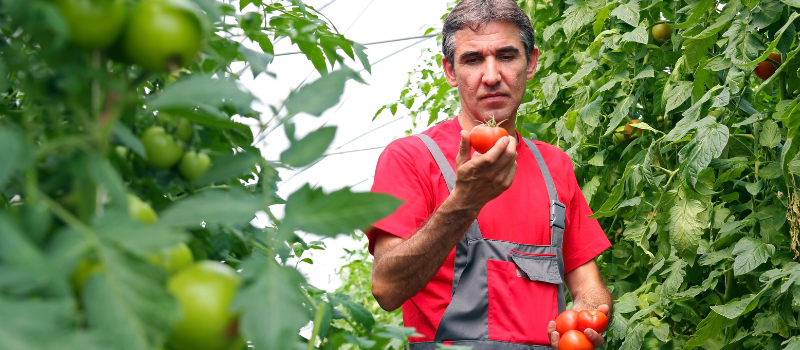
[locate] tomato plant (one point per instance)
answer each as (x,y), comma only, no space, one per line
(575,340)
(592,319)
(766,69)
(566,321)
(106,244)
(484,136)
(93,24)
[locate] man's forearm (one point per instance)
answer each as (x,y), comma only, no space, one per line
(405,268)
(591,297)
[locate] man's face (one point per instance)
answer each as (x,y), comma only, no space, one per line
(490,70)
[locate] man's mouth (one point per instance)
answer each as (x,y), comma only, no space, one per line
(493,96)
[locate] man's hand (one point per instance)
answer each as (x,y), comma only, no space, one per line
(593,336)
(482,177)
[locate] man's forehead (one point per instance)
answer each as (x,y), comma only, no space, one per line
(489,36)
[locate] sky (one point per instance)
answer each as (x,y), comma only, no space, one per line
(363,21)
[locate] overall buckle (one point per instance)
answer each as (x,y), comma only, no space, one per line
(558,214)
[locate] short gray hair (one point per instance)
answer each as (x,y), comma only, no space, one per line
(476,13)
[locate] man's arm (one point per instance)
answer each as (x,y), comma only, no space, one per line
(403,267)
(588,292)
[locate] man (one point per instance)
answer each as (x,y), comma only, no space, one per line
(478,256)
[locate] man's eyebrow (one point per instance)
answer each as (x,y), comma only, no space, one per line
(508,49)
(468,54)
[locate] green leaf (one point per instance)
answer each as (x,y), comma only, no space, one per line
(775,40)
(591,113)
(678,95)
(590,188)
(646,72)
(695,13)
(770,135)
(271,304)
(576,16)
(685,225)
(706,145)
(638,35)
(258,60)
(212,207)
(42,324)
(587,68)
(343,211)
(323,93)
(628,13)
(106,176)
(128,302)
(10,158)
(728,13)
(128,139)
(634,338)
(675,279)
(362,56)
(305,151)
(697,49)
(709,328)
(233,166)
(20,254)
(737,308)
(619,113)
(118,229)
(203,91)
(551,84)
(597,158)
(750,253)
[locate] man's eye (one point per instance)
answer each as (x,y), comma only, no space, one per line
(507,57)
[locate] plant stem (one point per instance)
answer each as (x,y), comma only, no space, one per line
(321,308)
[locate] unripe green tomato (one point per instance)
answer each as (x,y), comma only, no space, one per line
(173,259)
(193,165)
(184,130)
(163,151)
(93,24)
(204,292)
(122,151)
(141,211)
(660,118)
(163,35)
(661,32)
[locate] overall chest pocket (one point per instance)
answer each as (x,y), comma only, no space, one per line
(522,297)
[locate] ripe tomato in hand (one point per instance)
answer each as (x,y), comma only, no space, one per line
(766,69)
(592,319)
(575,340)
(566,321)
(483,137)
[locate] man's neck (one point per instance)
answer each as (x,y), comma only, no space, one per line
(467,123)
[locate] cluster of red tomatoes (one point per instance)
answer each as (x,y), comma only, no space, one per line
(571,324)
(157,35)
(204,291)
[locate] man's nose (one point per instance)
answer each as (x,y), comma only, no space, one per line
(491,74)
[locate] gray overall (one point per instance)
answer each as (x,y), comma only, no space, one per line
(466,319)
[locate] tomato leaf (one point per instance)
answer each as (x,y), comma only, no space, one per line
(10,158)
(750,253)
(685,225)
(342,211)
(203,91)
(315,98)
(308,149)
(271,304)
(212,207)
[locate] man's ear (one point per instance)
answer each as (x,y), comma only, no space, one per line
(449,72)
(533,60)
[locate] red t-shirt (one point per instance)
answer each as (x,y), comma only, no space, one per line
(521,214)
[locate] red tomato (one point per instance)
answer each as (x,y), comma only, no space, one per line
(592,319)
(575,340)
(567,321)
(766,69)
(484,137)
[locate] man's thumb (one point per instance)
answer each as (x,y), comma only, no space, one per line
(464,148)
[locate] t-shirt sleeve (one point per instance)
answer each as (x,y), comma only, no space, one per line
(583,237)
(396,175)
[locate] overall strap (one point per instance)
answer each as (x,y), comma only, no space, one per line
(449,175)
(558,211)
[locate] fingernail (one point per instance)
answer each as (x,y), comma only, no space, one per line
(505,140)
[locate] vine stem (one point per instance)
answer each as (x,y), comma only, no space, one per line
(321,307)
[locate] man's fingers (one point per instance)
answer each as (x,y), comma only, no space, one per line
(603,308)
(498,149)
(596,339)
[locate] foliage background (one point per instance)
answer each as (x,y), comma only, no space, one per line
(701,206)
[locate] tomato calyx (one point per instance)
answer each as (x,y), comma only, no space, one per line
(491,123)
(485,135)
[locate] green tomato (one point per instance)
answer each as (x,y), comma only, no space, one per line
(716,112)
(204,292)
(164,35)
(173,259)
(184,130)
(661,32)
(193,165)
(162,149)
(93,24)
(141,211)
